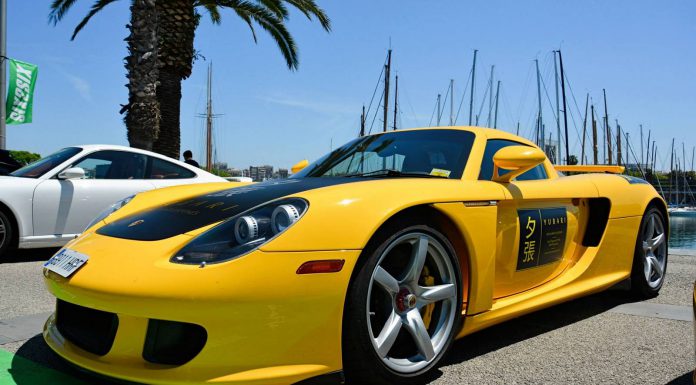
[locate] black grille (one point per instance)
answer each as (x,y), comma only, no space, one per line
(90,330)
(173,343)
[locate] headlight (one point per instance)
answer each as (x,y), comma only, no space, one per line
(242,234)
(109,210)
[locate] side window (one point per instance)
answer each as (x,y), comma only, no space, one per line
(161,169)
(110,164)
(492,146)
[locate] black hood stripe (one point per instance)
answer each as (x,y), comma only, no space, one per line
(193,213)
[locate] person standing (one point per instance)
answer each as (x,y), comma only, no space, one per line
(188,158)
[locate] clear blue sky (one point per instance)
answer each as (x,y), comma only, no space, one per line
(641,51)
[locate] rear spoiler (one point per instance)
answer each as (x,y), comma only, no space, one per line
(591,168)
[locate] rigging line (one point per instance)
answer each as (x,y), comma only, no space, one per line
(572,94)
(430,123)
(483,102)
(379,81)
(507,109)
(410,105)
(630,149)
(525,89)
(376,112)
(444,102)
(466,88)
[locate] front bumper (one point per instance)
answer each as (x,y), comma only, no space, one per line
(265,324)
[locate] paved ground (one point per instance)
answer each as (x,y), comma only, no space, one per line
(601,339)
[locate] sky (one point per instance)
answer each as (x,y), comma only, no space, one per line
(642,52)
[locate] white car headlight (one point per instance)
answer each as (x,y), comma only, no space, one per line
(109,210)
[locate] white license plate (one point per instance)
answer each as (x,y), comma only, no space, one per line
(66,262)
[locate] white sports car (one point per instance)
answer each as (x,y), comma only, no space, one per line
(49,202)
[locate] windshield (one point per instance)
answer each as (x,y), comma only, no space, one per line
(44,165)
(441,153)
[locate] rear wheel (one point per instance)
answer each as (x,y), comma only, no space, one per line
(650,258)
(6,233)
(403,307)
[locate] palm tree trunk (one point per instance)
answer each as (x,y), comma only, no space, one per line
(177,26)
(142,112)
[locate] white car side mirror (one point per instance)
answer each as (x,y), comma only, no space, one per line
(72,173)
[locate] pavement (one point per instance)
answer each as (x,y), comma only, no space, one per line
(606,338)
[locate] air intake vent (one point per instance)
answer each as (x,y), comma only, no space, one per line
(89,329)
(173,343)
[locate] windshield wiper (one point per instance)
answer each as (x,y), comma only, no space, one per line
(395,174)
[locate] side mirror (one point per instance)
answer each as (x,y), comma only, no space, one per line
(72,173)
(299,166)
(516,160)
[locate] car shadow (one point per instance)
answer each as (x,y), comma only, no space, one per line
(51,369)
(28,255)
(684,379)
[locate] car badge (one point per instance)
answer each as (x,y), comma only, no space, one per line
(136,223)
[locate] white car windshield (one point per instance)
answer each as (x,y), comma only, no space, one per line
(44,165)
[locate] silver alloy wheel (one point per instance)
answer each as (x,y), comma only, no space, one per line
(3,233)
(654,251)
(409,299)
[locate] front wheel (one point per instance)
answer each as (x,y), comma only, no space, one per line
(5,233)
(403,308)
(650,257)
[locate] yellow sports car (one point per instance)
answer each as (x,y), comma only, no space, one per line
(363,266)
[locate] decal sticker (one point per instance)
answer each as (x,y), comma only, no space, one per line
(440,172)
(542,236)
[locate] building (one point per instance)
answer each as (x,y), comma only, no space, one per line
(282,173)
(260,173)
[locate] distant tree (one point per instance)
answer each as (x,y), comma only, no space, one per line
(572,159)
(25,157)
(161,55)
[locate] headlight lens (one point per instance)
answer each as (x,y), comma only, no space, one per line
(109,210)
(242,234)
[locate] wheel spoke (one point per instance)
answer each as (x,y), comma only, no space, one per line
(388,335)
(415,326)
(651,227)
(437,293)
(657,241)
(418,255)
(655,265)
(389,283)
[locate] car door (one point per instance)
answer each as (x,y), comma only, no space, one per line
(538,226)
(65,207)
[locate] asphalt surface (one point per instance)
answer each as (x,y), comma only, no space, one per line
(606,338)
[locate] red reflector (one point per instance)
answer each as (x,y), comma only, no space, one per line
(327,266)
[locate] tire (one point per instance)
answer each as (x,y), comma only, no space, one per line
(392,290)
(650,256)
(6,233)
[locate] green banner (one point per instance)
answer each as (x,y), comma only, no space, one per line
(20,95)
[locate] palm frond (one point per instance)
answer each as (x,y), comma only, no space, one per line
(276,6)
(96,7)
(212,7)
(310,8)
(58,9)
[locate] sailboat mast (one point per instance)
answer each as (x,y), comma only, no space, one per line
(209,123)
(540,122)
(451,122)
(565,114)
(671,171)
(362,122)
(473,82)
(396,99)
(584,132)
(618,144)
(490,98)
(647,155)
(439,113)
(594,136)
(495,116)
(387,70)
(641,144)
(607,128)
(558,108)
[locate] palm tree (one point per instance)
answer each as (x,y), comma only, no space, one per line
(161,54)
